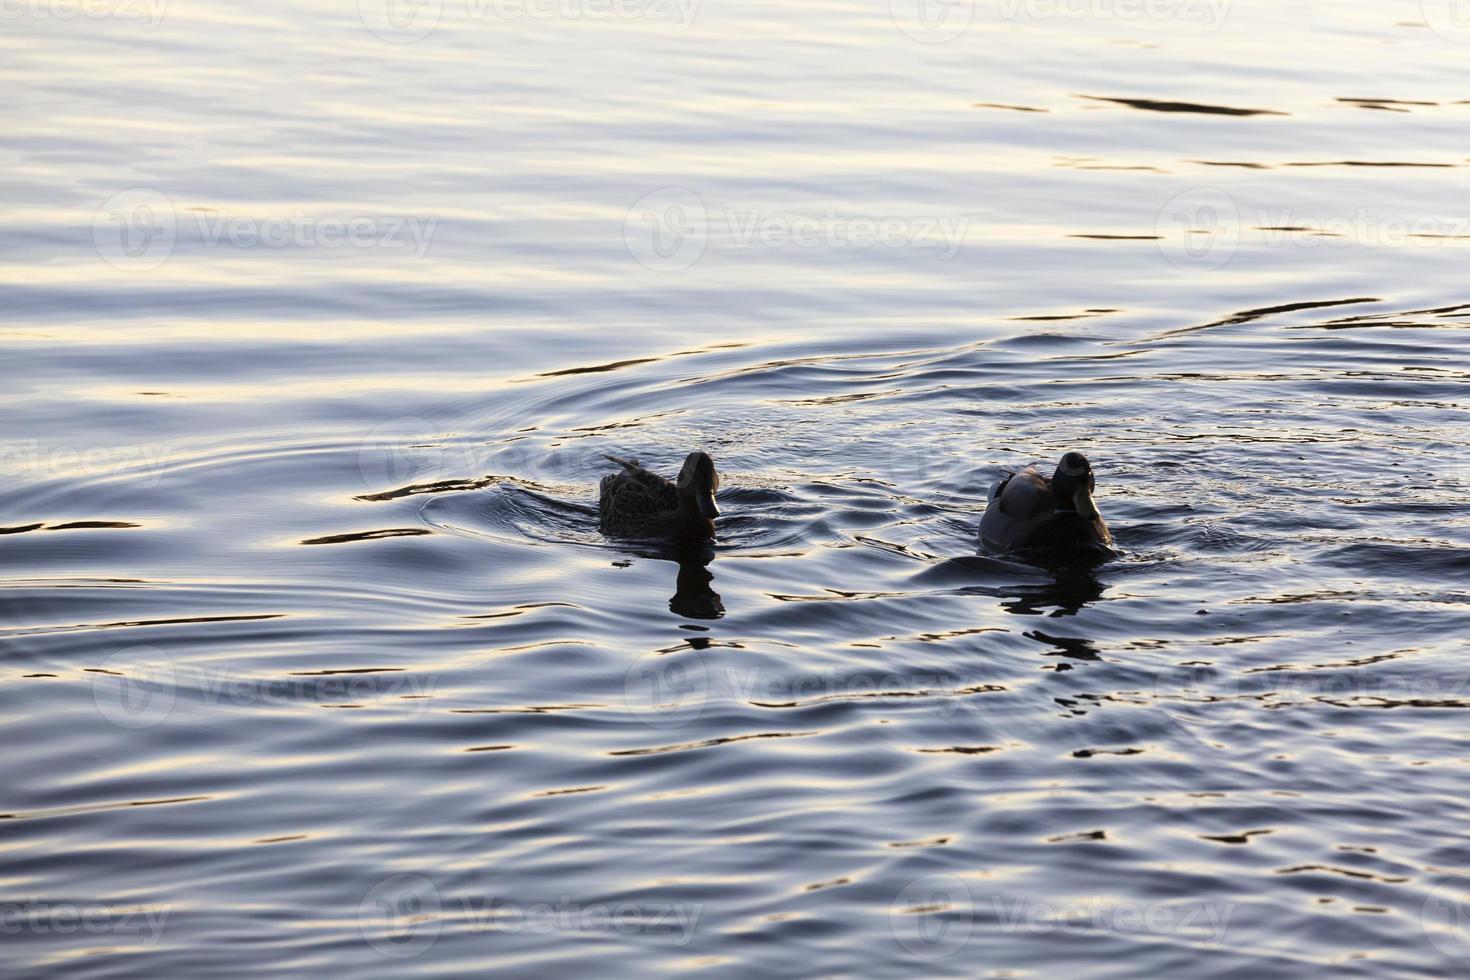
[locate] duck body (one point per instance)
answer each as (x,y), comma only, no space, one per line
(1055,517)
(637,503)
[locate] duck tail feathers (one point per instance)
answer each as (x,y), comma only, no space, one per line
(627,464)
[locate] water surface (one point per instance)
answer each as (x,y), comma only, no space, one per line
(318,323)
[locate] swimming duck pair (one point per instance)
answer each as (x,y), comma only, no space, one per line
(1027,511)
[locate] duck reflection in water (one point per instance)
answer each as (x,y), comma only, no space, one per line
(637,503)
(1054,524)
(1070,591)
(1054,590)
(693,597)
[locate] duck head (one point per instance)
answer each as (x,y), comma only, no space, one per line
(699,481)
(1072,486)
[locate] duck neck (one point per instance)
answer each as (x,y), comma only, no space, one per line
(1064,492)
(690,524)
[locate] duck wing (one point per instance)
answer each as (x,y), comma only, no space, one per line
(634,496)
(645,481)
(1027,496)
(1017,506)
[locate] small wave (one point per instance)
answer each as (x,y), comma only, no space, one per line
(1198,108)
(756,518)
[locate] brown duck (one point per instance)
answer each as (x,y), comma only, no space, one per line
(1028,512)
(635,503)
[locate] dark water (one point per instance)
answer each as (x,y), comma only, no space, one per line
(314,658)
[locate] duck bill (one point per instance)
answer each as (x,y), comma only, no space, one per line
(1082,500)
(707,508)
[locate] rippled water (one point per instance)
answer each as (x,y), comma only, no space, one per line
(318,321)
